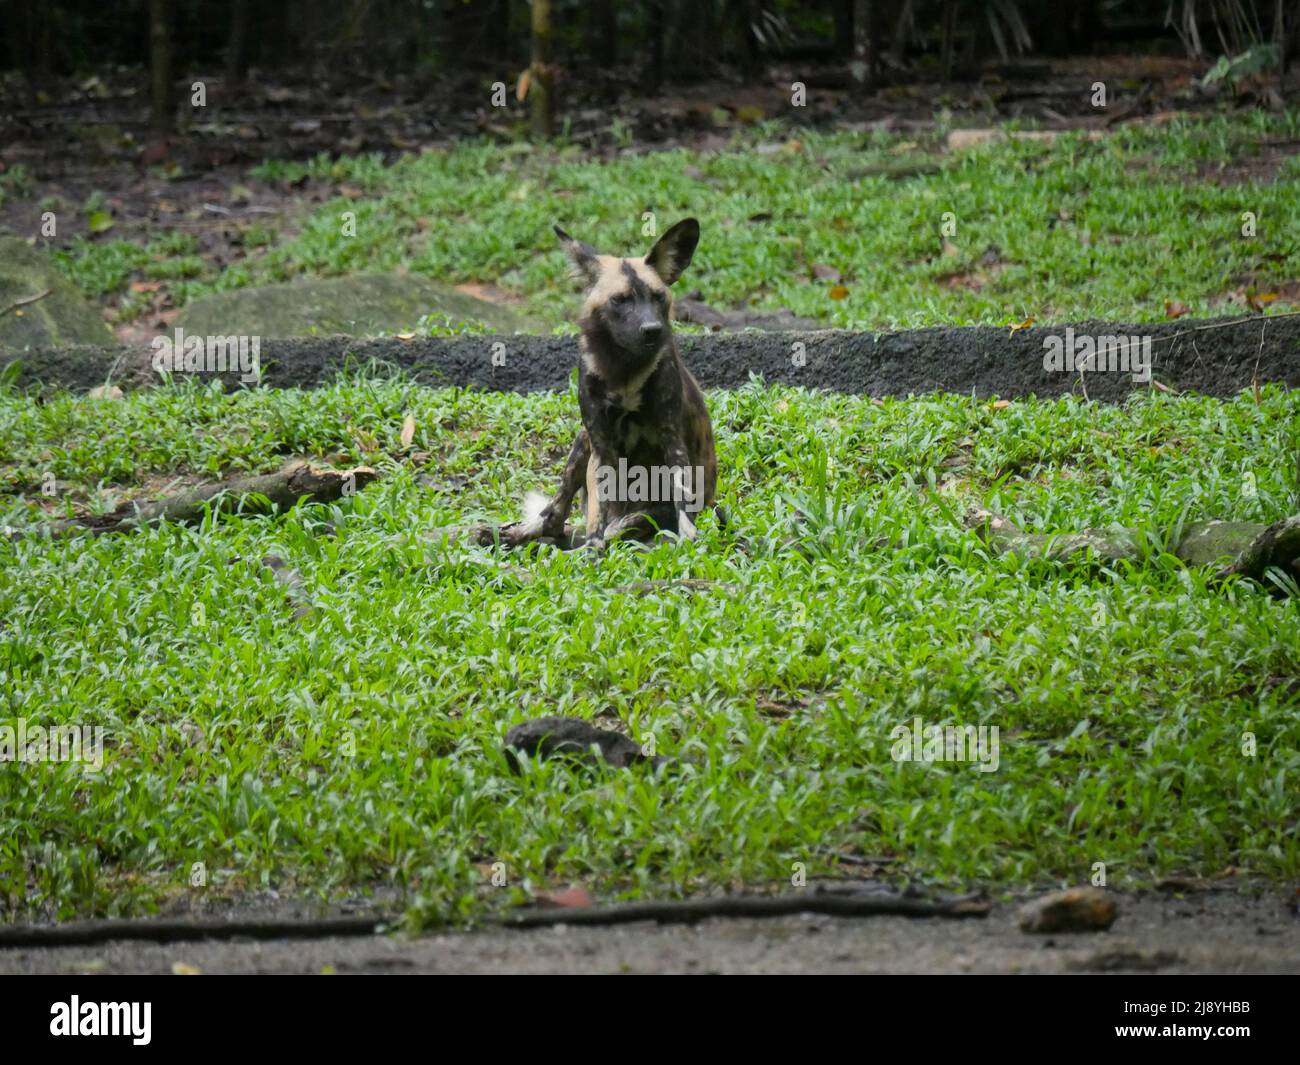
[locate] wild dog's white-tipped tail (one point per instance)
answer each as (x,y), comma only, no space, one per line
(534,504)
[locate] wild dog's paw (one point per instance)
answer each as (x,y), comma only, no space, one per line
(596,542)
(685,527)
(553,527)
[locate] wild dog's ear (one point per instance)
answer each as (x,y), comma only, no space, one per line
(582,255)
(672,252)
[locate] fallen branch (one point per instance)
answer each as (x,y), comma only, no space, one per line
(689,911)
(249,495)
(86,933)
(1249,548)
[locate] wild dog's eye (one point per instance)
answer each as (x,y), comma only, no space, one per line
(619,297)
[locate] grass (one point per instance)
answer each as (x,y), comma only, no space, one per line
(361,745)
(1110,229)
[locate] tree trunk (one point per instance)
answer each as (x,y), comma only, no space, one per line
(747,43)
(866,43)
(504,44)
(898,46)
(1283,56)
(162,86)
(237,51)
(541,103)
(947,45)
(657,30)
(844,29)
(602,34)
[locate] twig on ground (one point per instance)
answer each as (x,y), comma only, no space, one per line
(24,302)
(688,911)
(1224,325)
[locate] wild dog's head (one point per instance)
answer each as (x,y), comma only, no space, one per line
(627,299)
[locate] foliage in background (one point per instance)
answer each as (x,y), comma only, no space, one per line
(1070,231)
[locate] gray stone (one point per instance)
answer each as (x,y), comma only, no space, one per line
(1077,909)
(60,318)
(364,305)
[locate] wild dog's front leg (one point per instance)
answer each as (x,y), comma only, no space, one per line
(687,493)
(604,454)
(550,522)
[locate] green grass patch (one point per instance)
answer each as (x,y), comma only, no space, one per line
(361,745)
(1075,230)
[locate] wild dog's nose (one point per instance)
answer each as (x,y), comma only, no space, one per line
(651,331)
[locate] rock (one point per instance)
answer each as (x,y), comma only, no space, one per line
(546,737)
(352,306)
(1078,909)
(62,317)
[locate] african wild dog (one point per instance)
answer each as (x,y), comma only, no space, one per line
(642,411)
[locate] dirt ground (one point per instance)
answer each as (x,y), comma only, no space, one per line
(1204,933)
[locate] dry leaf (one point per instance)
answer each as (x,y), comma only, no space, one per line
(839,292)
(181,968)
(949,248)
(1022,325)
(408,430)
(145,286)
(573,898)
(1001,404)
(1176,309)
(405,336)
(521,86)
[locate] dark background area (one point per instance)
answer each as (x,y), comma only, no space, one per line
(576,50)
